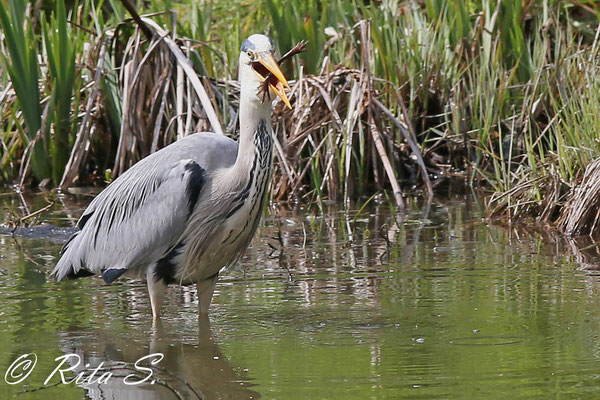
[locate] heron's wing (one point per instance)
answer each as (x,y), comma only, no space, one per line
(134,221)
(139,217)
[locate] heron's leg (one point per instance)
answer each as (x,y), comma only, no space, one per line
(156,291)
(206,289)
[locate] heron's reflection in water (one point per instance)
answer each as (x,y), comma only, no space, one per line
(187,370)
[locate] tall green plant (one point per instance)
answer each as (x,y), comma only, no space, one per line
(300,20)
(453,14)
(22,66)
(58,39)
(515,48)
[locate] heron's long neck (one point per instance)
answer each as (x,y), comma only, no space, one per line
(255,143)
(252,169)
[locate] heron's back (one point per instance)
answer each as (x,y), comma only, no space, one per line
(211,151)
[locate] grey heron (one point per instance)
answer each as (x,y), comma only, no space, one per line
(186,211)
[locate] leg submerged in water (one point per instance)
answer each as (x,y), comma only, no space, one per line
(206,289)
(156,291)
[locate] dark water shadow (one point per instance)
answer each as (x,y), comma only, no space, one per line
(183,370)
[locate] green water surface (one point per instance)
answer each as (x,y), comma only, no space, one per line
(325,305)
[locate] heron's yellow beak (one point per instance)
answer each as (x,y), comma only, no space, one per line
(277,81)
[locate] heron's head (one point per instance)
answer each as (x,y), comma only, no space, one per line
(257,65)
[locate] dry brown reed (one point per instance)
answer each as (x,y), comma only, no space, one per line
(334,114)
(581,213)
(330,112)
(162,99)
(541,197)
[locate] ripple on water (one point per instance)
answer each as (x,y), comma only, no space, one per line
(487,340)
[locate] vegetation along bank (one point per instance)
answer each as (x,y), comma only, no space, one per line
(390,97)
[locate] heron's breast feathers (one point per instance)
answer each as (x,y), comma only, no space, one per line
(222,225)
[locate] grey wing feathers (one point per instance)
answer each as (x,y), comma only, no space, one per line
(131,224)
(142,214)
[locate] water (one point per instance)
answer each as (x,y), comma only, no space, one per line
(442,305)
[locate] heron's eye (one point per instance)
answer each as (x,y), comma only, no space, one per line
(250,55)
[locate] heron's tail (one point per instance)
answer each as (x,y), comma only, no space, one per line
(70,266)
